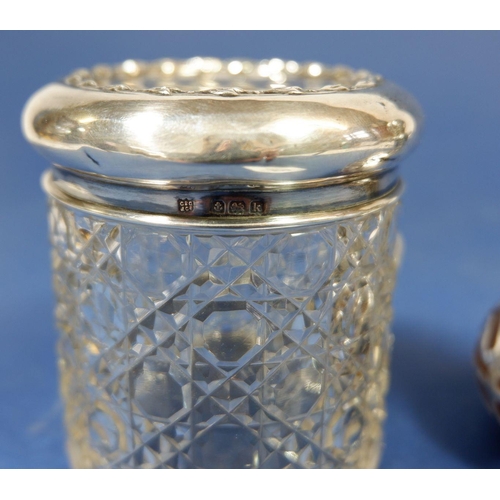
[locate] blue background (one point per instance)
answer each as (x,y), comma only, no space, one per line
(450,219)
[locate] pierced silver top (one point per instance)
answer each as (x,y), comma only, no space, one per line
(211,76)
(206,137)
(274,122)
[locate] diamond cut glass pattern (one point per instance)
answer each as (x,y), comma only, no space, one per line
(185,349)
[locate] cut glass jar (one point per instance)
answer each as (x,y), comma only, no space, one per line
(224,254)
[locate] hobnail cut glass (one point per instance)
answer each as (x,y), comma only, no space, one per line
(185,348)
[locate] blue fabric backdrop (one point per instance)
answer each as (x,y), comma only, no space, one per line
(450,219)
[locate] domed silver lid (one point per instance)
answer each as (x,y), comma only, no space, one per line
(207,124)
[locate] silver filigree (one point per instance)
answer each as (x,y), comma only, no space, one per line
(206,76)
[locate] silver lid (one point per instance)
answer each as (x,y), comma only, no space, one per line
(210,125)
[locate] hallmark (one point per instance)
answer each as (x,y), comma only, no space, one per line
(237,206)
(185,205)
(219,207)
(257,207)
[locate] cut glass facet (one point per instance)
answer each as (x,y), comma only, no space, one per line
(185,349)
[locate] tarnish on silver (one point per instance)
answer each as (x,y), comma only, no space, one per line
(221,139)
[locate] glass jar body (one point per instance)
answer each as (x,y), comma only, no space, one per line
(208,348)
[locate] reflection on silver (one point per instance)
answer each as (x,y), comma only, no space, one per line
(487,360)
(109,122)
